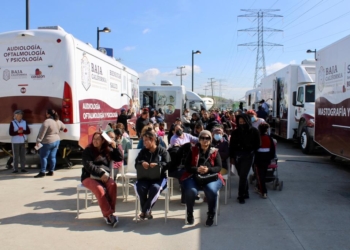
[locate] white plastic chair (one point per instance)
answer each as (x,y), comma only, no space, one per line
(217,209)
(130,171)
(227,178)
(166,205)
(81,187)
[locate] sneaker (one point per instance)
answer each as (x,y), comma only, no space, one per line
(114,220)
(40,175)
(24,171)
(108,222)
(149,216)
(142,216)
(15,171)
(190,218)
(210,219)
(198,200)
(264,196)
(183,203)
(241,200)
(50,173)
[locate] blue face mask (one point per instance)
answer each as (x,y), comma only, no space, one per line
(253,119)
(217,137)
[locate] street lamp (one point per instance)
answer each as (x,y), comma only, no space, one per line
(312,51)
(194,52)
(105,30)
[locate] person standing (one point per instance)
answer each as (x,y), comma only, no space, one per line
(263,158)
(18,131)
(142,121)
(50,139)
(254,118)
(244,142)
(123,118)
(265,106)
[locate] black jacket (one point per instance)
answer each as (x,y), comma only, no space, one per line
(178,155)
(124,120)
(93,165)
(244,140)
(140,123)
(160,156)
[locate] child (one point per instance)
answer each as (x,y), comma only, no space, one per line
(160,131)
(263,157)
(159,128)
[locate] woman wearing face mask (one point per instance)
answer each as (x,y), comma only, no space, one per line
(222,145)
(254,119)
(244,142)
(180,138)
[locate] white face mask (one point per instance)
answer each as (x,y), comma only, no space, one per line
(217,137)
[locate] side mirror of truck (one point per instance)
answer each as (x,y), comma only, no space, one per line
(294,103)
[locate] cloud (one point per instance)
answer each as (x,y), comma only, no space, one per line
(272,68)
(128,48)
(145,31)
(149,74)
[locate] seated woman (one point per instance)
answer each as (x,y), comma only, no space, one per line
(159,140)
(202,159)
(95,174)
(149,189)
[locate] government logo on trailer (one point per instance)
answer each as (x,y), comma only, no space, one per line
(85,73)
(6,75)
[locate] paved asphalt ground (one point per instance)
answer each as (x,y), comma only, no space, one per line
(311,212)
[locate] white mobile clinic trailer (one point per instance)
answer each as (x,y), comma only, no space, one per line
(49,68)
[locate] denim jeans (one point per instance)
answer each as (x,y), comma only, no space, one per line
(48,153)
(210,190)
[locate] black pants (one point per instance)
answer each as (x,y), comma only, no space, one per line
(243,163)
(260,171)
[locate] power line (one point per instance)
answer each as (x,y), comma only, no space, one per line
(181,67)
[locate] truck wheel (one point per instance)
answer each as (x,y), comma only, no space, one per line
(306,142)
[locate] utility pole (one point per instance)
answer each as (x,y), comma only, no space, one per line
(27,14)
(182,67)
(205,91)
(212,88)
(259,15)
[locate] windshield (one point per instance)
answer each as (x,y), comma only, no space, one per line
(310,93)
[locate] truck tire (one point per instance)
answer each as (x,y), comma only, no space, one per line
(306,142)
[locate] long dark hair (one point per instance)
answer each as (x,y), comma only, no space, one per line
(53,114)
(104,151)
(152,136)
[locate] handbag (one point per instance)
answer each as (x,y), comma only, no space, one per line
(204,179)
(97,177)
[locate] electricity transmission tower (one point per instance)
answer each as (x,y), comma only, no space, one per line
(182,67)
(259,15)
